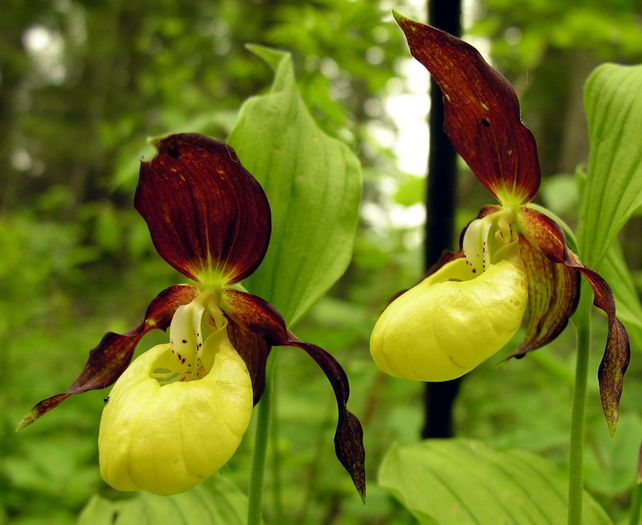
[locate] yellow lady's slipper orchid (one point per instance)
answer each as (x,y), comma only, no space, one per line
(460,315)
(176,415)
(513,263)
(178,412)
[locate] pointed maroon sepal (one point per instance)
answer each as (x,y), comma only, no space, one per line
(208,217)
(545,235)
(481,113)
(110,358)
(259,317)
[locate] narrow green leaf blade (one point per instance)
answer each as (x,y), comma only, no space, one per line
(613,189)
(466,482)
(313,183)
(217,501)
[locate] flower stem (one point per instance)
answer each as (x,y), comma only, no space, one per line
(582,321)
(275,462)
(264,410)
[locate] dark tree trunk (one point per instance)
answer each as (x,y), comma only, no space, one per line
(440,213)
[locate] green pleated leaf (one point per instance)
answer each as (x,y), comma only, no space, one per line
(313,184)
(217,501)
(615,272)
(613,188)
(466,482)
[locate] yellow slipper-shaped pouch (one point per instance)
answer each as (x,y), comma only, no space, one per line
(451,321)
(163,432)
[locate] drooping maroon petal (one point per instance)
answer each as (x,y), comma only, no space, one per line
(348,437)
(110,358)
(543,233)
(617,353)
(260,317)
(553,293)
(254,350)
(481,113)
(208,217)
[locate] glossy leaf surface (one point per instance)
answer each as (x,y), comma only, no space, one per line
(313,183)
(207,215)
(482,116)
(466,482)
(613,187)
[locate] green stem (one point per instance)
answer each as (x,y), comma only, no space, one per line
(264,410)
(582,321)
(277,503)
(636,503)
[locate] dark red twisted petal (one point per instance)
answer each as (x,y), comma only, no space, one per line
(205,211)
(112,356)
(258,316)
(553,293)
(481,112)
(543,233)
(617,353)
(348,437)
(254,350)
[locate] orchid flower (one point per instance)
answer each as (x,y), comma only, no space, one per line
(514,262)
(178,412)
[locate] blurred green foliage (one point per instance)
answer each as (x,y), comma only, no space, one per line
(83,83)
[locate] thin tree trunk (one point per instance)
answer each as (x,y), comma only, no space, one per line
(440,212)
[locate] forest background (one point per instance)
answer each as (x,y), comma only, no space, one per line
(82,86)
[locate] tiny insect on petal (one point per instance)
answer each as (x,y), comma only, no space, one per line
(166,438)
(208,217)
(110,358)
